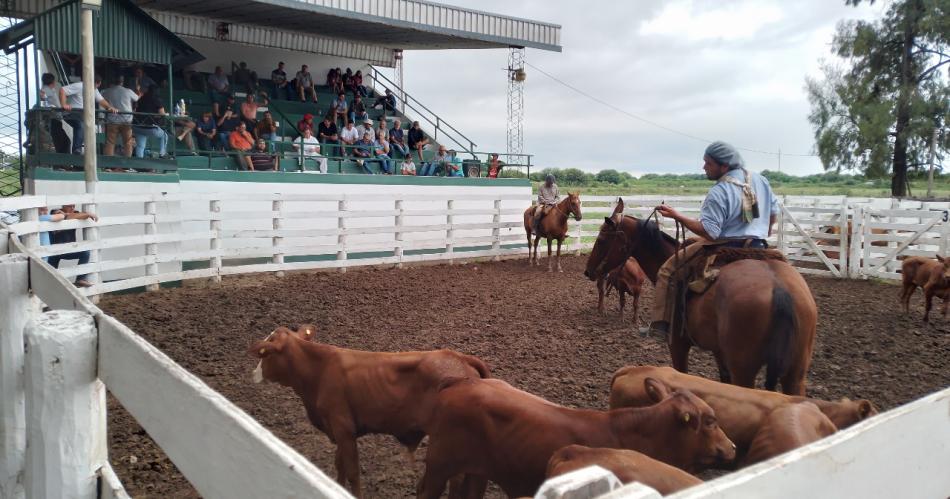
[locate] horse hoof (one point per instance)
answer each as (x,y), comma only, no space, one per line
(559,269)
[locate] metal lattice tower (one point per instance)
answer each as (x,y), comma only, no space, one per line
(9,119)
(399,74)
(516,77)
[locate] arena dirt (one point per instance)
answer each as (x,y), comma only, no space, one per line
(538,331)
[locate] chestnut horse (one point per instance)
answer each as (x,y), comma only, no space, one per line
(758,312)
(553,226)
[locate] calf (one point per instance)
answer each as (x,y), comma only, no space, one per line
(627,279)
(740,411)
(349,393)
(627,465)
(931,275)
(788,427)
(488,429)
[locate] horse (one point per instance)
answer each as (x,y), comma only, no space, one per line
(553,226)
(757,312)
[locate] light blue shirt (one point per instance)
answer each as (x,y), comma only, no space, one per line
(44,236)
(721,214)
(455,161)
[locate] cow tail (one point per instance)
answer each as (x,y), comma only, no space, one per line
(781,332)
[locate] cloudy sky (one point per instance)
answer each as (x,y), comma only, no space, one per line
(717,69)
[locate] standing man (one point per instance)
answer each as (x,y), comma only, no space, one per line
(279,78)
(119,124)
(738,212)
(548,196)
(68,212)
(74,103)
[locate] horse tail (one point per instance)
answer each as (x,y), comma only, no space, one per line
(781,331)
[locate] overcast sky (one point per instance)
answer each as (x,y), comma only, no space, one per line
(718,69)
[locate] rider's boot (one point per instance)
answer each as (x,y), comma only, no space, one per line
(657,329)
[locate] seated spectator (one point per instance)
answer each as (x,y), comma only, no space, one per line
(242,143)
(309,148)
(141,81)
(249,111)
(338,108)
(349,136)
(368,128)
(245,78)
(261,158)
(328,133)
(386,102)
(397,138)
(266,129)
(193,79)
(184,128)
(145,127)
(408,167)
(358,110)
(337,85)
(119,124)
(381,152)
(417,139)
(438,162)
(494,165)
(454,165)
(381,128)
(206,131)
(364,149)
(220,89)
(347,80)
(278,78)
(68,212)
(227,125)
(331,77)
(358,87)
(305,84)
(225,107)
(305,123)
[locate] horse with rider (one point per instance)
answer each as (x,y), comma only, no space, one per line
(548,219)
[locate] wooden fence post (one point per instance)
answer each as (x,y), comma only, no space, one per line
(15,309)
(854,254)
(215,207)
(398,234)
(62,406)
(579,233)
(866,242)
(31,241)
(342,207)
(151,249)
(277,207)
(92,234)
(780,225)
(843,236)
(450,232)
(496,231)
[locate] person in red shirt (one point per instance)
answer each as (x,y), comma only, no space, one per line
(242,142)
(494,166)
(306,122)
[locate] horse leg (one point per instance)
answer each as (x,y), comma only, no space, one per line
(743,376)
(679,352)
(601,283)
(550,262)
(636,311)
(623,302)
(529,248)
(724,376)
(537,239)
(559,269)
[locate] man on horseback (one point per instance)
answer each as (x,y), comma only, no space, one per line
(548,197)
(730,216)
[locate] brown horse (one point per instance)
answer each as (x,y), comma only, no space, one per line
(553,226)
(758,312)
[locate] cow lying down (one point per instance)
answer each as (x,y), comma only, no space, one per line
(349,393)
(627,465)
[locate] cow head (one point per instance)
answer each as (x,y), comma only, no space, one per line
(847,412)
(274,363)
(696,439)
(945,277)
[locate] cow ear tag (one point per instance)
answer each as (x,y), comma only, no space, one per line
(263,350)
(686,417)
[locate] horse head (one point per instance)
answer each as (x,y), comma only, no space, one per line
(621,237)
(574,205)
(610,249)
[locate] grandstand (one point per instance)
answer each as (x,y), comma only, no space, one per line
(174,40)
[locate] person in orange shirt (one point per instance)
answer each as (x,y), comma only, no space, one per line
(242,142)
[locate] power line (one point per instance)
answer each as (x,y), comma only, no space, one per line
(651,122)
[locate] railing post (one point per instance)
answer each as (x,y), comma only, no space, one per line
(780,227)
(215,208)
(92,234)
(342,207)
(398,234)
(450,232)
(854,253)
(843,235)
(277,207)
(63,405)
(15,309)
(866,242)
(151,249)
(496,231)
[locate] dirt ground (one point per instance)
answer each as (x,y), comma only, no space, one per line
(538,331)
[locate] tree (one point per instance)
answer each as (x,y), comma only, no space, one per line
(609,176)
(878,115)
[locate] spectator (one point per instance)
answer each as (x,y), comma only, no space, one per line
(206,129)
(397,138)
(348,80)
(431,168)
(261,159)
(337,86)
(364,149)
(244,77)
(184,128)
(331,77)
(358,110)
(266,129)
(349,136)
(454,165)
(381,152)
(224,108)
(306,123)
(119,124)
(408,167)
(358,87)
(141,81)
(386,102)
(328,133)
(305,84)
(338,108)
(309,147)
(249,111)
(220,89)
(151,123)
(381,128)
(279,78)
(65,236)
(193,79)
(227,125)
(368,128)
(242,142)
(54,96)
(417,139)
(494,165)
(73,96)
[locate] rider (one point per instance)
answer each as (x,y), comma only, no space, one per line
(731,216)
(548,196)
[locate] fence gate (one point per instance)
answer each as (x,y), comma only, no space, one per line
(889,235)
(814,239)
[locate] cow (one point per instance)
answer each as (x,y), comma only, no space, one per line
(350,393)
(627,465)
(788,427)
(627,279)
(931,275)
(740,411)
(489,429)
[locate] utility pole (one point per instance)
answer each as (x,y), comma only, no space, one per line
(933,151)
(89,94)
(516,77)
(780,160)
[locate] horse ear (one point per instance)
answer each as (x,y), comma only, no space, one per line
(618,210)
(609,221)
(656,390)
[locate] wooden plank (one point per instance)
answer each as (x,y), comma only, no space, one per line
(926,227)
(185,417)
(22,202)
(111,487)
(811,243)
(119,242)
(135,282)
(16,311)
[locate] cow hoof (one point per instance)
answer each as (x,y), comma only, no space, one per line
(559,269)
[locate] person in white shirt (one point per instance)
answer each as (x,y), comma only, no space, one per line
(349,136)
(408,167)
(52,93)
(119,124)
(309,147)
(74,103)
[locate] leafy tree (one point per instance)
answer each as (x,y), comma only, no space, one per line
(610,177)
(573,176)
(879,114)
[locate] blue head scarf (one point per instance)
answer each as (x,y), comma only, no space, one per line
(725,154)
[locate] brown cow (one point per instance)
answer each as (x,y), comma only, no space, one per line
(788,427)
(931,275)
(740,411)
(489,429)
(627,279)
(349,393)
(627,465)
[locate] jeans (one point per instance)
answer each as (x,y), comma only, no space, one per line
(333,149)
(429,169)
(205,143)
(75,120)
(142,133)
(281,93)
(223,140)
(362,116)
(82,256)
(402,148)
(385,163)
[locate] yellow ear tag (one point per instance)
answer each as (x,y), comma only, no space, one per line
(264,350)
(686,417)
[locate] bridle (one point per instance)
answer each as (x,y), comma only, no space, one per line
(567,214)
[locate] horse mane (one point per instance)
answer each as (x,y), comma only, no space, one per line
(652,237)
